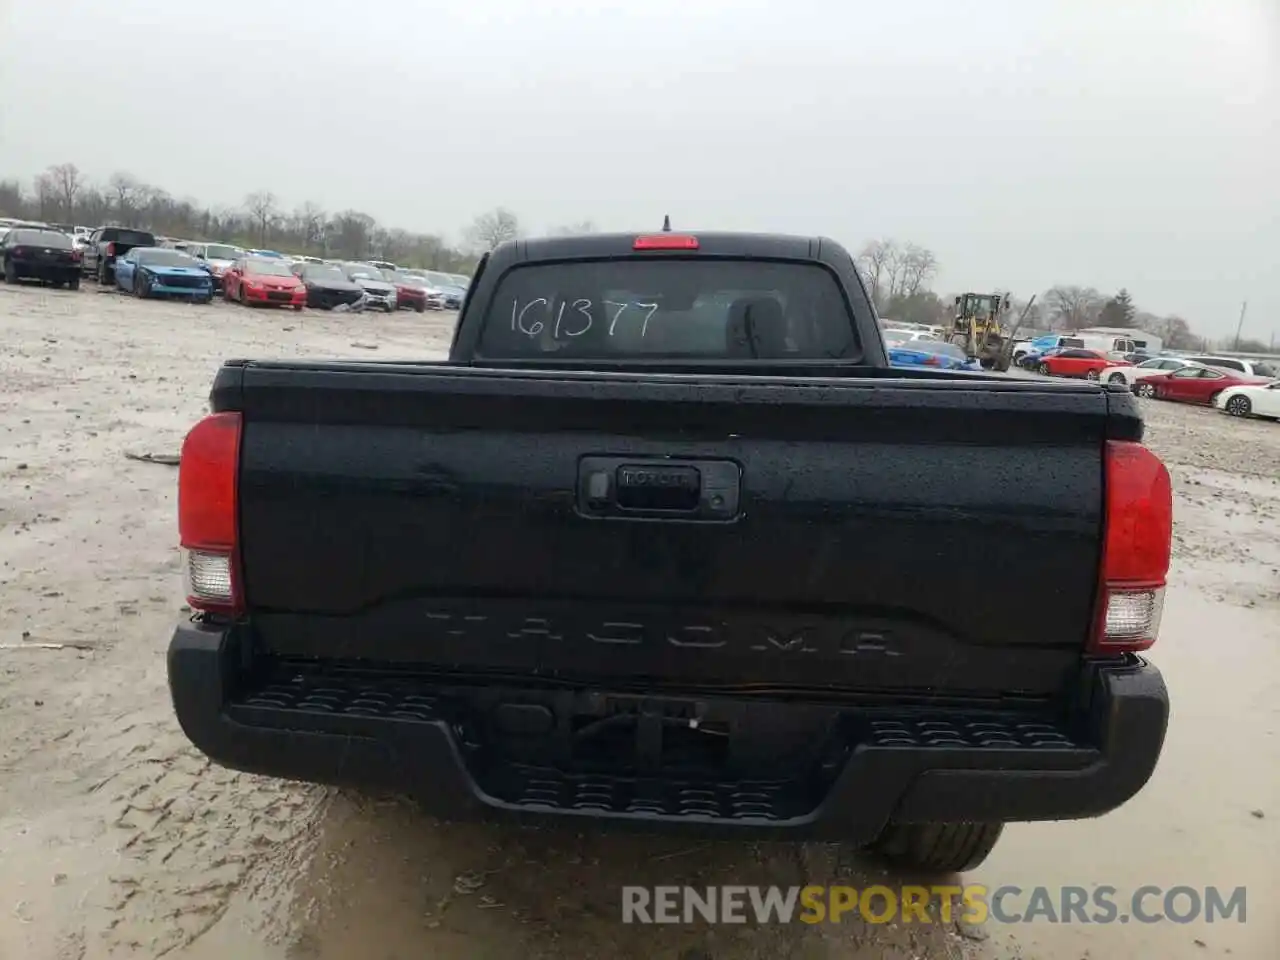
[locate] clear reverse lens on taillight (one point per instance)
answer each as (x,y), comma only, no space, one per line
(207,513)
(1137,540)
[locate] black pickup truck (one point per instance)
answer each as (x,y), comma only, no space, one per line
(666,542)
(105,245)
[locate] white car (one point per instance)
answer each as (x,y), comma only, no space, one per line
(1251,368)
(1132,374)
(1262,400)
(896,333)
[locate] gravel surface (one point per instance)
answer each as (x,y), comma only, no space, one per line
(117,839)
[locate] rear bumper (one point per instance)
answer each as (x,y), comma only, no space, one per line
(375,734)
(44,270)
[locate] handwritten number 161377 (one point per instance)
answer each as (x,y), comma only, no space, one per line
(574,318)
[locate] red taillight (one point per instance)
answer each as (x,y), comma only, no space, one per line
(666,241)
(111,249)
(207,513)
(76,255)
(932,361)
(1136,545)
(19,251)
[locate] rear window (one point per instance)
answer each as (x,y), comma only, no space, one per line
(678,309)
(136,238)
(40,238)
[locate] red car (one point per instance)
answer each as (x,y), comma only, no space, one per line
(407,295)
(1078,363)
(1194,384)
(257,280)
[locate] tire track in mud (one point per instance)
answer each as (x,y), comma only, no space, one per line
(189,837)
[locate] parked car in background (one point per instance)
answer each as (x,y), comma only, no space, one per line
(460,279)
(408,295)
(385,265)
(218,258)
(1194,384)
(160,271)
(1088,364)
(1131,374)
(258,281)
(1252,368)
(34,254)
(377,291)
(108,243)
(899,335)
(1261,400)
(933,354)
(433,298)
(451,293)
(328,286)
(1041,346)
(267,254)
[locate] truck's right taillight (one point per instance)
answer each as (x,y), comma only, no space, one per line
(207,513)
(1136,544)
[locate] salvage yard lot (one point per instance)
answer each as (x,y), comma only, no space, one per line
(118,840)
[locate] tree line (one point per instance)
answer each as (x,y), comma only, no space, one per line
(898,275)
(63,194)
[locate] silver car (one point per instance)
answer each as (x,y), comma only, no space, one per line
(377,291)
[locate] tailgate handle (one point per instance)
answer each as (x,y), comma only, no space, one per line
(658,487)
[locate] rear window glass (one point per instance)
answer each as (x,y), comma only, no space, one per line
(40,238)
(135,237)
(695,309)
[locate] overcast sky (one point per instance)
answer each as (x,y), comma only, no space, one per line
(1027,142)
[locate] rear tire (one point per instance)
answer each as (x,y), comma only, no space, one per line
(10,272)
(103,277)
(1116,378)
(297,308)
(74,283)
(1043,370)
(420,307)
(938,847)
(1092,375)
(1239,406)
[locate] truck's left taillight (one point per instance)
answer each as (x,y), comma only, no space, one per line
(208,512)
(1136,546)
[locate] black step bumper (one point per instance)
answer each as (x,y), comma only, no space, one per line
(909,766)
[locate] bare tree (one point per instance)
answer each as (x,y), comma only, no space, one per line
(351,231)
(46,195)
(918,267)
(124,187)
(1072,307)
(574,229)
(67,181)
(492,228)
(873,262)
(12,200)
(310,223)
(261,207)
(1174,332)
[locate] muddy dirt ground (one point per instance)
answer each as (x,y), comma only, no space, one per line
(118,840)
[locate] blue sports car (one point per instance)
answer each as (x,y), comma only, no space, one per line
(931,354)
(156,271)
